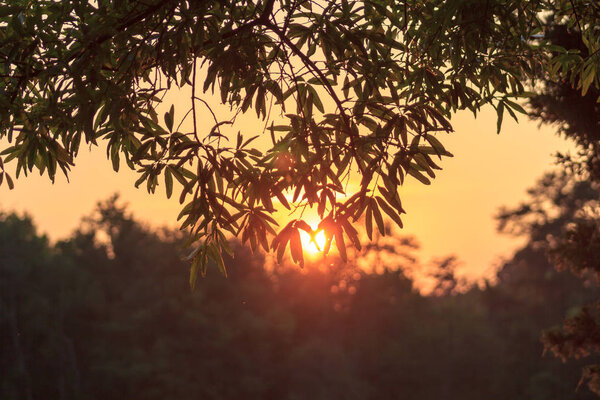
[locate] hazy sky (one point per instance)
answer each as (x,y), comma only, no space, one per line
(452,216)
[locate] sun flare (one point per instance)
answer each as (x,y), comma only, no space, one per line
(313,246)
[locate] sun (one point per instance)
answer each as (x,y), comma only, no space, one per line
(310,246)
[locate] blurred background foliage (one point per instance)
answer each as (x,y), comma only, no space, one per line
(108,314)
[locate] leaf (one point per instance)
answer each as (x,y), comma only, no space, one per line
(114,156)
(9,181)
(280,252)
(500,112)
(516,106)
(215,253)
(178,175)
(352,234)
(369,222)
(378,218)
(315,99)
(339,242)
(438,146)
(169,116)
(198,262)
(390,211)
(281,198)
(168,182)
(279,128)
(262,238)
(296,247)
(281,240)
(322,203)
(278,239)
(304,226)
(392,200)
(587,78)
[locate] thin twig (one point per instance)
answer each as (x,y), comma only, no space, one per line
(194,102)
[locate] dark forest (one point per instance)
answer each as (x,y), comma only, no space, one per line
(109,314)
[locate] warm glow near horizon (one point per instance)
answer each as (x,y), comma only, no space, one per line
(454,215)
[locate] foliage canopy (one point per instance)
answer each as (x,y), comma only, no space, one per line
(344,87)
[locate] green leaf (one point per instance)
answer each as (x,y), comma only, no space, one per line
(340,244)
(296,247)
(9,181)
(378,218)
(168,182)
(193,273)
(587,78)
(215,253)
(352,234)
(516,106)
(369,221)
(114,156)
(316,100)
(418,176)
(500,112)
(390,212)
(169,116)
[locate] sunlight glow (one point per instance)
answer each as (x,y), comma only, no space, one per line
(313,247)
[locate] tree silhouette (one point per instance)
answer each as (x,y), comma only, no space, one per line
(97,317)
(571,239)
(551,219)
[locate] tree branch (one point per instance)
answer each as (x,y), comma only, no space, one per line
(311,66)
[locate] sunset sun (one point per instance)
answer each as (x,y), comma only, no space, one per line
(313,246)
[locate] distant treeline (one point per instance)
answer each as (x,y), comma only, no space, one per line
(109,314)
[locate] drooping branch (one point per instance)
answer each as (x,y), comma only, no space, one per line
(316,70)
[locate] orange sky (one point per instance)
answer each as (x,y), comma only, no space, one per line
(452,216)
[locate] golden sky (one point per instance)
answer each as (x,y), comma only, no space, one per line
(452,216)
